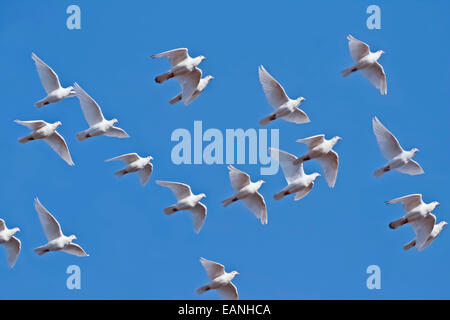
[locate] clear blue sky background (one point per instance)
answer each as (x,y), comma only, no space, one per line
(317,248)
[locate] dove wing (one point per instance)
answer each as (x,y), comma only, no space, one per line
(188,84)
(127,158)
(304,192)
(49,78)
(313,141)
(59,145)
(274,92)
(422,228)
(198,214)
(180,190)
(116,132)
(411,168)
(145,174)
(329,164)
(13,249)
(408,202)
(291,171)
(32,125)
(75,250)
(297,116)
(375,74)
(256,204)
(228,292)
(358,49)
(91,110)
(213,269)
(175,56)
(51,227)
(238,178)
(389,145)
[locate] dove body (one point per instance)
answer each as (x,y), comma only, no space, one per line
(248,190)
(181,63)
(416,213)
(301,185)
(318,151)
(55,245)
(397,162)
(55,96)
(97,129)
(41,133)
(200,87)
(433,235)
(283,111)
(219,282)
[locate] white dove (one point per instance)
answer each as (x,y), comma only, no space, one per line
(418,229)
(220,280)
(50,82)
(322,149)
(398,158)
(366,61)
(98,125)
(135,164)
(180,61)
(186,200)
(419,215)
(57,241)
(247,191)
(285,107)
(192,85)
(10,242)
(298,182)
(47,132)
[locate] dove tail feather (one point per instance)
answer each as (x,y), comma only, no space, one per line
(121,173)
(170,210)
(280,195)
(409,245)
(41,103)
(301,159)
(202,289)
(381,171)
(347,71)
(228,201)
(268,119)
(176,99)
(398,223)
(41,250)
(164,77)
(26,139)
(81,136)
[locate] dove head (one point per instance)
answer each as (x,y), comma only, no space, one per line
(200,59)
(336,139)
(72,237)
(414,150)
(379,53)
(15,230)
(315,175)
(114,121)
(260,182)
(442,224)
(300,100)
(202,195)
(149,158)
(234,273)
(434,204)
(209,78)
(57,124)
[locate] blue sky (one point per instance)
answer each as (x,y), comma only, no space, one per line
(316,248)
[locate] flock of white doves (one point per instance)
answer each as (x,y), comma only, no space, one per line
(185,70)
